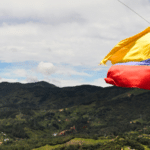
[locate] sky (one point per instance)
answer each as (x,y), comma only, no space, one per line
(63,41)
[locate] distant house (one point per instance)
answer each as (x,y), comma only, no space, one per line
(129,94)
(66,119)
(72,127)
(67,131)
(60,109)
(54,134)
(6,139)
(62,132)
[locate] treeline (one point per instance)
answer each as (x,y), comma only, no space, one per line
(81,124)
(14,131)
(34,143)
(28,144)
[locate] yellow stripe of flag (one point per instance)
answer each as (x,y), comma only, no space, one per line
(135,48)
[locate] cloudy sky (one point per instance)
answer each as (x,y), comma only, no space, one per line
(63,41)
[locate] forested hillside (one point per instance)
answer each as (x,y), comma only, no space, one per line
(33,115)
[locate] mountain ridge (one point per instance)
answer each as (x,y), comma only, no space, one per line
(27,109)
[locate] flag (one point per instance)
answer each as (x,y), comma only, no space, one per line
(135,48)
(130,75)
(131,62)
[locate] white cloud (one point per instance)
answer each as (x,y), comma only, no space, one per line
(77,33)
(100,82)
(67,83)
(20,72)
(8,80)
(46,68)
(31,79)
(20,30)
(69,71)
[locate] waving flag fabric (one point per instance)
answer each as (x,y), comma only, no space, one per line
(131,59)
(135,48)
(131,74)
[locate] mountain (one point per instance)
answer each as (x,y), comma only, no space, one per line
(48,96)
(33,109)
(27,85)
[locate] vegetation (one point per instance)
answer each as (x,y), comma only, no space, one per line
(31,114)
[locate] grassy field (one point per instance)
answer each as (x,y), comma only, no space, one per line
(85,141)
(48,147)
(74,142)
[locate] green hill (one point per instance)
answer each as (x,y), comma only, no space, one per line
(30,114)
